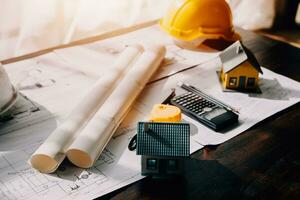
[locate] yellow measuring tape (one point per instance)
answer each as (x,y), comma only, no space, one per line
(165,113)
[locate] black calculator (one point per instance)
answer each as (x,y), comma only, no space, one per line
(205,110)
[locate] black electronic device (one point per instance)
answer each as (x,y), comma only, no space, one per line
(205,109)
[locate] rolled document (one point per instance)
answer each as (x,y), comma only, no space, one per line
(91,141)
(51,153)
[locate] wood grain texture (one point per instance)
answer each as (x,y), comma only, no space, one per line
(261,163)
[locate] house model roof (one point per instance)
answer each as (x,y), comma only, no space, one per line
(163,139)
(235,55)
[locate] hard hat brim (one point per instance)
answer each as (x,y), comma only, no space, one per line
(207,33)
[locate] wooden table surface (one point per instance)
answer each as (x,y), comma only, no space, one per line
(261,163)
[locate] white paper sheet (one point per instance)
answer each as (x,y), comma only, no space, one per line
(116,167)
(52,152)
(278,93)
(55,86)
(109,49)
(19,181)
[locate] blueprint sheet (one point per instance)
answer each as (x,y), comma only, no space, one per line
(52,84)
(278,93)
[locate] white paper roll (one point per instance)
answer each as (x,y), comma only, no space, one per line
(51,153)
(89,144)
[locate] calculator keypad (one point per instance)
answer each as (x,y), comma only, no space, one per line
(194,103)
(205,110)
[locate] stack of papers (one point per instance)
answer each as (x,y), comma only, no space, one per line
(53,84)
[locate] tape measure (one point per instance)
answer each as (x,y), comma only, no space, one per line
(165,113)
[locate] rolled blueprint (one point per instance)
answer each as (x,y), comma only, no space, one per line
(51,153)
(91,141)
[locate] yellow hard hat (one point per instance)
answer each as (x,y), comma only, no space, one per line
(191,19)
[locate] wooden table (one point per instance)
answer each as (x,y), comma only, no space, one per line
(261,163)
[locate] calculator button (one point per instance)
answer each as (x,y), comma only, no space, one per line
(189,106)
(207,109)
(177,100)
(188,103)
(200,112)
(199,108)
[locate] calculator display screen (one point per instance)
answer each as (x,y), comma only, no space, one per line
(214,113)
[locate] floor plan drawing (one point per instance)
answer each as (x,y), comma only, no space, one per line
(52,84)
(20,181)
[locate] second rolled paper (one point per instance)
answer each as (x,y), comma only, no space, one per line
(89,144)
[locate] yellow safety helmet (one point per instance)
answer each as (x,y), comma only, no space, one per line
(191,19)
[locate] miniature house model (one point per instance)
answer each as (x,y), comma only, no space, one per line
(163,147)
(240,68)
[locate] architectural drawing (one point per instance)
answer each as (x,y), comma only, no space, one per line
(117,166)
(20,181)
(23,114)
